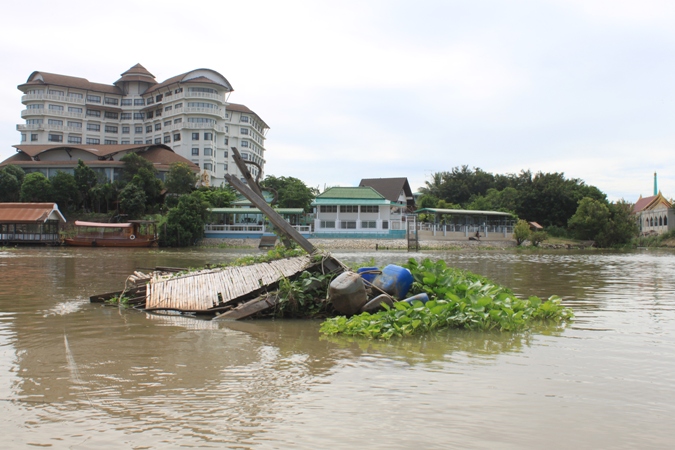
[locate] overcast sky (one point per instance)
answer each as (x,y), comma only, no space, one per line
(369,89)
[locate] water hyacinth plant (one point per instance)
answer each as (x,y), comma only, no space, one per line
(457,299)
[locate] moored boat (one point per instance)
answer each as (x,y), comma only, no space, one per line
(135,233)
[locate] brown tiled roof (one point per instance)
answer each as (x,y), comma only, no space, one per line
(137,73)
(181,79)
(647,202)
(29,212)
(53,79)
(138,70)
(160,155)
(390,188)
(244,109)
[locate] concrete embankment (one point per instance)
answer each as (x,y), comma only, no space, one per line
(370,244)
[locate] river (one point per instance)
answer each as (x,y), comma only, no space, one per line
(78,375)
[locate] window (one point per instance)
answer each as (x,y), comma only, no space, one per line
(126,130)
(195,152)
(138,129)
(244,143)
(370,209)
(201,105)
(148,141)
(327,224)
(110,142)
(111,101)
(125,142)
(244,131)
(158,126)
(176,137)
(168,94)
(151,114)
(179,120)
(226,141)
(55,138)
(385,224)
(23,137)
(201,120)
(328,208)
(55,92)
(33,137)
(34,122)
(225,154)
(158,140)
(126,116)
(208,136)
(149,101)
(111,115)
(178,91)
(110,129)
(75,109)
(93,141)
(167,139)
(158,113)
(368,224)
(93,127)
(139,116)
(168,108)
(159,97)
(75,124)
(75,95)
(138,141)
(178,105)
(349,208)
(348,225)
(195,136)
(74,140)
(126,102)
(208,166)
(56,107)
(244,119)
(36,106)
(208,151)
(139,102)
(93,113)
(55,122)
(202,89)
(148,128)
(167,123)
(93,98)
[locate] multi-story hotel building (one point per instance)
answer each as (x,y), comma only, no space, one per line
(189,113)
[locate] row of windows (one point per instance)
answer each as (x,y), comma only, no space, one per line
(348,208)
(654,222)
(351,224)
(207,152)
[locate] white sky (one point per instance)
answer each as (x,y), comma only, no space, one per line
(368,89)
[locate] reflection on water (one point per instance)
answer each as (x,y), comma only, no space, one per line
(79,375)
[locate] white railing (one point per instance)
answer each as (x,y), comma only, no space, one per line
(463,228)
(50,112)
(213,111)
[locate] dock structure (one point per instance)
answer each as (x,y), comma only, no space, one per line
(212,288)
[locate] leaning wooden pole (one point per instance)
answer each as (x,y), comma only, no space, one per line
(284,227)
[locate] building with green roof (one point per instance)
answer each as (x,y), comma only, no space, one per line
(353,212)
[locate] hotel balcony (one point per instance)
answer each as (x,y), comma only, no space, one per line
(50,112)
(58,98)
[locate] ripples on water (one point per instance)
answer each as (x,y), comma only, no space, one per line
(78,375)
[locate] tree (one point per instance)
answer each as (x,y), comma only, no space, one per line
(621,227)
(217,197)
(180,179)
(521,231)
(17,171)
(65,192)
(427,201)
(184,224)
(292,193)
(10,186)
(133,163)
(36,188)
(132,201)
(590,219)
(85,180)
(101,197)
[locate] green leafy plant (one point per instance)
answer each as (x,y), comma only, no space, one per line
(458,299)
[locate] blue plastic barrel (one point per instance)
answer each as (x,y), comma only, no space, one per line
(423,297)
(368,274)
(394,280)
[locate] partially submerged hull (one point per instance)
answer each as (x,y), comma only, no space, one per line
(103,242)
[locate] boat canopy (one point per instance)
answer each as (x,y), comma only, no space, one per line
(79,223)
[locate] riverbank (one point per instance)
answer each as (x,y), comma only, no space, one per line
(368,244)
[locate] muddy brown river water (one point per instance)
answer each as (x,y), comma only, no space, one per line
(78,375)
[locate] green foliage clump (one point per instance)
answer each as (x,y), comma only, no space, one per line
(11,178)
(292,192)
(181,179)
(184,225)
(304,296)
(458,299)
(537,237)
(36,188)
(521,231)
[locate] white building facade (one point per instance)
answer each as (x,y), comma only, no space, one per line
(189,113)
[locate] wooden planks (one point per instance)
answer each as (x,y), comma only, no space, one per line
(206,289)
